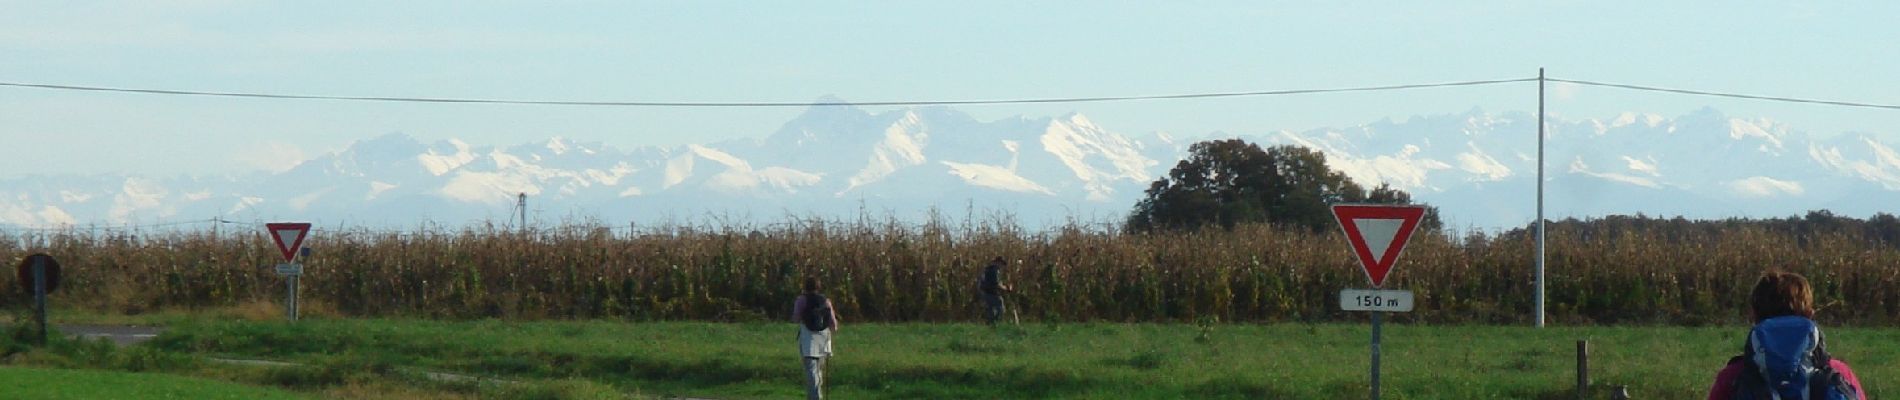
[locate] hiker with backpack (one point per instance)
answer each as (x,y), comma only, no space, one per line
(1784,356)
(817,321)
(991,288)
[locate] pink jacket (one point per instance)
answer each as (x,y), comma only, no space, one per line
(1725,381)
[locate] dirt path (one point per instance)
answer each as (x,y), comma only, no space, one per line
(122,335)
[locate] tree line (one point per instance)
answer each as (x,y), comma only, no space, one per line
(1224,183)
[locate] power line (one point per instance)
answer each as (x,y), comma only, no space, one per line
(757,104)
(934,102)
(1730,95)
(97,228)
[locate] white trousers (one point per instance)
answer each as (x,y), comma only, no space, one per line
(814,378)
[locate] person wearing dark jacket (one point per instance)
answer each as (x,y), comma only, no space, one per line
(991,288)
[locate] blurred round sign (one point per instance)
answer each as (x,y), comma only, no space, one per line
(26,272)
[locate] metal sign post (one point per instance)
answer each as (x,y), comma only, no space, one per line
(1378,302)
(1375,353)
(292,273)
(292,302)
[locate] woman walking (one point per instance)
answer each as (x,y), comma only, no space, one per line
(817,321)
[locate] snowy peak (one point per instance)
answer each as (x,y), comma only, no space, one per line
(1709,165)
(716,171)
(823,124)
(703,163)
(1859,156)
(1098,158)
(902,146)
(439,160)
(557,145)
(1630,118)
(995,177)
(1478,167)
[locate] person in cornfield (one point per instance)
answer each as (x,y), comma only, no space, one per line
(991,288)
(817,321)
(1784,356)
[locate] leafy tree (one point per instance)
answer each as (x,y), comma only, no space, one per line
(1228,182)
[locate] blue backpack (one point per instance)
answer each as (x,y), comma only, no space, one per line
(1783,359)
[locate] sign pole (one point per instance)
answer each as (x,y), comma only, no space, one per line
(290,305)
(39,296)
(1375,353)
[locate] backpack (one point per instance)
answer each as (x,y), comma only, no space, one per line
(1783,359)
(991,281)
(817,313)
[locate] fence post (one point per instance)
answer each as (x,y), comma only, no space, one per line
(1583,369)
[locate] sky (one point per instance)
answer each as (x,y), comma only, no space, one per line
(717,51)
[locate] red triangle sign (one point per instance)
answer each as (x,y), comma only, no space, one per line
(1378,233)
(289,237)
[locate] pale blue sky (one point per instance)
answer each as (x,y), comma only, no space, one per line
(798,51)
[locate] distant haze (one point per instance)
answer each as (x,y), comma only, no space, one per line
(838,162)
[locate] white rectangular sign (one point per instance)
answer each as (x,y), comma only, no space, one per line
(1375,300)
(289,269)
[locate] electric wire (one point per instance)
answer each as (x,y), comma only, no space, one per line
(761,104)
(97,228)
(1205,95)
(1724,94)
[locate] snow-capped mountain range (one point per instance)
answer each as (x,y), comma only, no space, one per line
(1478,167)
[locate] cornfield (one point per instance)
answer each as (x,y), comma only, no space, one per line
(1612,271)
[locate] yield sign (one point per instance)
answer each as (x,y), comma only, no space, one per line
(289,237)
(1378,233)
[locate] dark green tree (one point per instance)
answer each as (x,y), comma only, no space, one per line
(1228,182)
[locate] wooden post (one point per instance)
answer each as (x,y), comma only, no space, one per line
(1583,369)
(39,296)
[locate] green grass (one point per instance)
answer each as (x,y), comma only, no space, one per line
(758,360)
(143,371)
(38,383)
(65,314)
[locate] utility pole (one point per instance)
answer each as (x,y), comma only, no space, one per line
(1540,197)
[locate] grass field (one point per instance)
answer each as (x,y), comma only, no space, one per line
(54,384)
(757,360)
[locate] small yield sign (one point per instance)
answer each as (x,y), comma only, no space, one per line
(288,236)
(1378,234)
